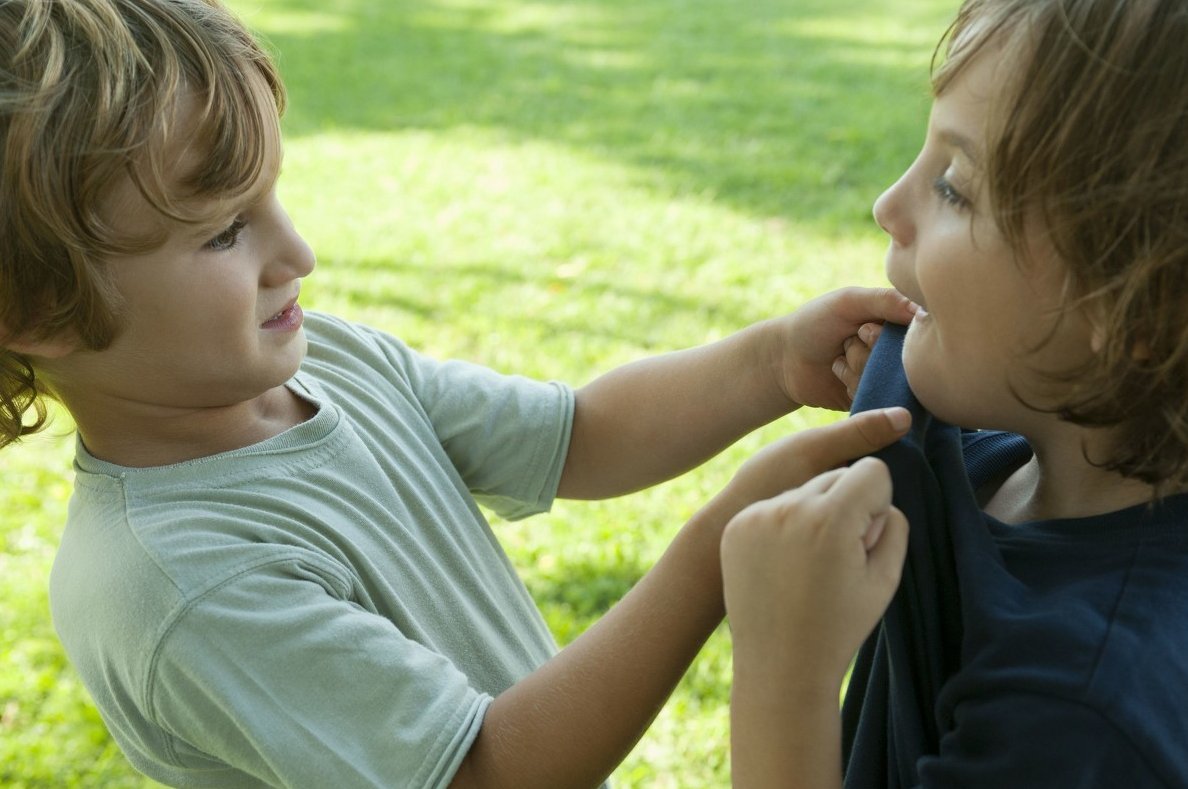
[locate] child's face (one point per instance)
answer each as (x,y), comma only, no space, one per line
(987,313)
(198,315)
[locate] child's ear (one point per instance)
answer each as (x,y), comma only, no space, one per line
(1141,350)
(1097,339)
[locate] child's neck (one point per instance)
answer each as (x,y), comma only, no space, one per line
(193,433)
(1059,482)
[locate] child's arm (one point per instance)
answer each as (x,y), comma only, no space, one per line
(807,576)
(652,419)
(569,723)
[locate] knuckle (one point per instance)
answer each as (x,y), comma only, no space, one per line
(871,466)
(868,431)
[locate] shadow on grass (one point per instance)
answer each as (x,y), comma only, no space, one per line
(753,103)
(416,290)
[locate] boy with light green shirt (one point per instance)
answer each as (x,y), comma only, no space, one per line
(274,571)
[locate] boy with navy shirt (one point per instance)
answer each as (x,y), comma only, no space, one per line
(1038,637)
(1036,654)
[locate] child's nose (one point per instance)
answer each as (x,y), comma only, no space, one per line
(301,258)
(890,215)
(289,258)
(292,256)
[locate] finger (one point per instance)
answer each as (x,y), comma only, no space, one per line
(844,371)
(857,435)
(806,454)
(857,356)
(862,496)
(823,482)
(874,532)
(848,369)
(869,333)
(886,304)
(886,557)
(867,480)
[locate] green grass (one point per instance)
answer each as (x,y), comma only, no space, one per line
(551,188)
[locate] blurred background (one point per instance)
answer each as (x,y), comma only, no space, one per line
(550,188)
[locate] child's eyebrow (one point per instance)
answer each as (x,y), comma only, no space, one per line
(961,142)
(225,214)
(203,230)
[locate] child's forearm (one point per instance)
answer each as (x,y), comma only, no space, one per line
(571,722)
(653,419)
(785,727)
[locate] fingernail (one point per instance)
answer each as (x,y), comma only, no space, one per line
(899,418)
(839,367)
(864,333)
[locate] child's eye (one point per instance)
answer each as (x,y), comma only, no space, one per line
(228,238)
(945,191)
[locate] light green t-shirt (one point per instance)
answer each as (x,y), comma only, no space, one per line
(328,608)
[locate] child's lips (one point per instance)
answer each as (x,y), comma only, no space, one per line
(288,319)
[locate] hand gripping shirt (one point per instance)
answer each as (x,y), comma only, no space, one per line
(1044,654)
(327,608)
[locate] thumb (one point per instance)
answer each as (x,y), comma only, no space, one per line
(886,558)
(885,304)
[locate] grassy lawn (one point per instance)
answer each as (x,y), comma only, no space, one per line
(551,188)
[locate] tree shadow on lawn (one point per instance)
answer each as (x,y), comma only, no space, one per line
(764,105)
(417,290)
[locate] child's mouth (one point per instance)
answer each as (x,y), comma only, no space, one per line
(287,319)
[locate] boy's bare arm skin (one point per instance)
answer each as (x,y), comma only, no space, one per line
(569,723)
(653,419)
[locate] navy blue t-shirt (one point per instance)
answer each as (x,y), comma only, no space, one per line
(1042,654)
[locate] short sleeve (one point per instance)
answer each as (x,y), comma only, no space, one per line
(507,435)
(1031,741)
(296,686)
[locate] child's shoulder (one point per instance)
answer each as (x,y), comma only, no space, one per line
(337,342)
(326,330)
(341,351)
(1079,625)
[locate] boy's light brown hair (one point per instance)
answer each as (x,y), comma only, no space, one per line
(1090,144)
(87,92)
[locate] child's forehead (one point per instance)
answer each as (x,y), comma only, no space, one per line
(974,89)
(981,39)
(190,175)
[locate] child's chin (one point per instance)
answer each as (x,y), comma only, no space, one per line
(936,395)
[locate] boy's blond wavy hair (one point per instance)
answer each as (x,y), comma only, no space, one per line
(88,89)
(1090,143)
